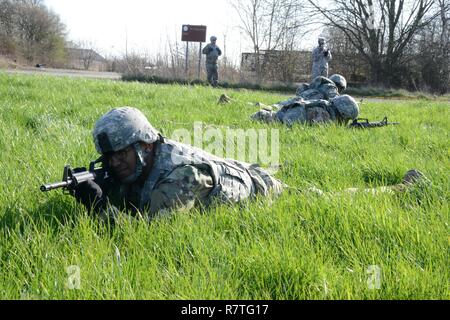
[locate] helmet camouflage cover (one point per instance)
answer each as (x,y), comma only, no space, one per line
(339,80)
(346,106)
(121,127)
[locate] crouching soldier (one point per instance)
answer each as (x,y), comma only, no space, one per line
(151,174)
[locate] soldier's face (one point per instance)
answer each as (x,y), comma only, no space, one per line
(123,162)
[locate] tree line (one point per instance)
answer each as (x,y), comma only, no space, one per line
(30,31)
(391,43)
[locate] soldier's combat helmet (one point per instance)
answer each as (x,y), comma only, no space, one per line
(346,107)
(302,88)
(340,81)
(120,128)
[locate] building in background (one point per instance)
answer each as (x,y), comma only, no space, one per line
(85,59)
(295,66)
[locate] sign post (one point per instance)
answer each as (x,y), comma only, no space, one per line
(199,59)
(186,67)
(193,33)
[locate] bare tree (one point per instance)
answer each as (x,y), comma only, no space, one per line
(35,31)
(251,14)
(444,9)
(431,52)
(7,13)
(270,25)
(86,52)
(380,30)
(176,56)
(346,59)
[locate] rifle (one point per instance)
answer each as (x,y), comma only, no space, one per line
(363,123)
(73,177)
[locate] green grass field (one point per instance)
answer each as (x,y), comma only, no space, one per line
(300,246)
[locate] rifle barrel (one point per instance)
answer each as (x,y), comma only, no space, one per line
(56,185)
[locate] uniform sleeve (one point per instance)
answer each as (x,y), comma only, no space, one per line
(206,49)
(219,51)
(316,55)
(181,190)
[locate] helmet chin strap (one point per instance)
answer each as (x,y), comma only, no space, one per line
(140,164)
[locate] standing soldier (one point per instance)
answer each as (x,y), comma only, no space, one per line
(320,57)
(212,52)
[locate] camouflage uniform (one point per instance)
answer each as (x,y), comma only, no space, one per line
(181,176)
(320,61)
(212,53)
(317,102)
(339,81)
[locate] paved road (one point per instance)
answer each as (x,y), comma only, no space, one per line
(65,73)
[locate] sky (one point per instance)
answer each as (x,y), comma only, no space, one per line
(144,26)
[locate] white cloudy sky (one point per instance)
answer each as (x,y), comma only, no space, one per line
(147,23)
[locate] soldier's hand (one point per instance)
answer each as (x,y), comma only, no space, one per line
(90,195)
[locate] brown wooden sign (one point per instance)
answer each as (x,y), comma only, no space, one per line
(193,33)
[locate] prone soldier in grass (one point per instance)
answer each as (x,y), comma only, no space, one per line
(148,175)
(152,174)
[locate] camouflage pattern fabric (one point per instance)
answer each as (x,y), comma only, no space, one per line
(183,176)
(302,88)
(317,115)
(325,86)
(184,188)
(121,127)
(339,81)
(317,102)
(320,62)
(291,115)
(329,91)
(212,74)
(212,53)
(346,107)
(312,94)
(265,116)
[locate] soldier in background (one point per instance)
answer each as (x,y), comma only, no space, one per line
(317,102)
(152,175)
(212,52)
(320,57)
